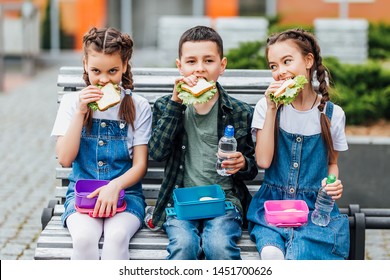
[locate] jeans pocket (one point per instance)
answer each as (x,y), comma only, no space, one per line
(340,226)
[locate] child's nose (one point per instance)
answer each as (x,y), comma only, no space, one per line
(104,79)
(200,67)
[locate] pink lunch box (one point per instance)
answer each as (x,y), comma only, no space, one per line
(286,213)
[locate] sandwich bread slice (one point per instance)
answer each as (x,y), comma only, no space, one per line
(201,87)
(110,98)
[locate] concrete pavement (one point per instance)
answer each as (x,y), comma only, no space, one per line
(27,161)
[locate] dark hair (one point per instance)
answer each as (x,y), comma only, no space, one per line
(307,43)
(201,33)
(111,41)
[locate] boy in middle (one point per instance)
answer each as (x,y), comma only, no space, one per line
(186,137)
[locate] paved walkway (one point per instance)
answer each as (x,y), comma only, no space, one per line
(27,164)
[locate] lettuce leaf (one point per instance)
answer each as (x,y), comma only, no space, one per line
(93,106)
(291,93)
(188,98)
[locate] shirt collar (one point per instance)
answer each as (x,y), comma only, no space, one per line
(225,102)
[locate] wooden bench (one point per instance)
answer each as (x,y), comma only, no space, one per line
(248,85)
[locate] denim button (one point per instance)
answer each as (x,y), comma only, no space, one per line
(183,147)
(103,124)
(299,139)
(181,167)
(100,163)
(292,190)
(122,126)
(295,164)
(101,142)
(169,205)
(176,186)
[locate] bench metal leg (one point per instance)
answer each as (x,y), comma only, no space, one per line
(357,232)
(47,213)
(360,236)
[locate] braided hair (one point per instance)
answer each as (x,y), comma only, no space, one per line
(307,44)
(111,41)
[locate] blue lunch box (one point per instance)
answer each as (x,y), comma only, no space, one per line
(199,202)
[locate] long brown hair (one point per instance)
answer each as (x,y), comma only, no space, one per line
(307,44)
(111,41)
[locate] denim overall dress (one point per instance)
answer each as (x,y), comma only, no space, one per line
(296,173)
(104,155)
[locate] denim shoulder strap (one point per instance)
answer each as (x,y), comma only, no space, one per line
(329,109)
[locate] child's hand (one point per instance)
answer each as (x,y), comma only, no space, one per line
(272,88)
(335,190)
(234,163)
(88,95)
(107,200)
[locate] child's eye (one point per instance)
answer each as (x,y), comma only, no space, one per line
(287,61)
(96,71)
(190,61)
(113,71)
(272,67)
(209,61)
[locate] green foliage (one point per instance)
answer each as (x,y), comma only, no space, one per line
(248,55)
(363,91)
(379,41)
(279,28)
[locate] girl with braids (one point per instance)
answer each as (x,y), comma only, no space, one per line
(109,145)
(298,147)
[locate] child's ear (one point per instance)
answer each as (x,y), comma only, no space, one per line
(309,59)
(85,64)
(178,65)
(124,69)
(223,65)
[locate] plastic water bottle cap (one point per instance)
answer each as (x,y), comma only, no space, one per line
(331,179)
(229,131)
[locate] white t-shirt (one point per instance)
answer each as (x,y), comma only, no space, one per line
(304,122)
(142,122)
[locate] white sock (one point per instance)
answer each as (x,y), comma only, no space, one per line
(271,253)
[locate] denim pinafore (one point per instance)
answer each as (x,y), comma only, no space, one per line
(296,173)
(104,155)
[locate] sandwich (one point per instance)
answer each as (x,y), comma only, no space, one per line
(289,90)
(202,92)
(111,97)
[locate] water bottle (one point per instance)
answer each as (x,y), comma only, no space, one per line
(227,145)
(148,219)
(324,205)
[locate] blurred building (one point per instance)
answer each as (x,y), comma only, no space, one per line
(140,18)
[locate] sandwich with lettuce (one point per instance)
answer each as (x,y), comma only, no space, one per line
(202,92)
(289,90)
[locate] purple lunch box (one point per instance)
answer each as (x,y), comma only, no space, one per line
(85,186)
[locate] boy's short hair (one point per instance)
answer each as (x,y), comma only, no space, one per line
(201,33)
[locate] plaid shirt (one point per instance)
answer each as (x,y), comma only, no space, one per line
(169,141)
